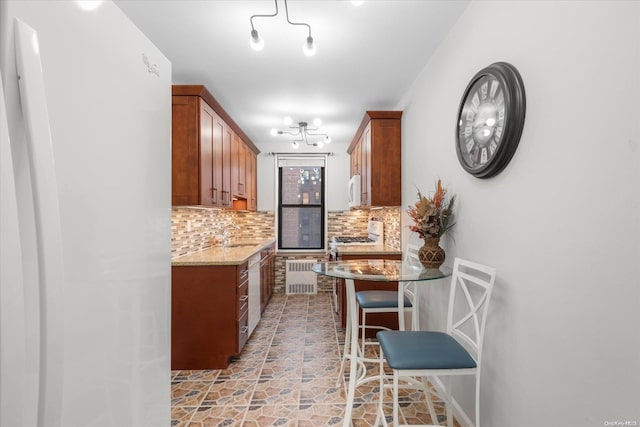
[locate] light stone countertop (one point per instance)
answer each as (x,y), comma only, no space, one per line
(230,255)
(367,250)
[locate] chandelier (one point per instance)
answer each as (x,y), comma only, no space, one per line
(303,133)
(257,43)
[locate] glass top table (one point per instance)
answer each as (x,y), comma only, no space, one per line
(378,270)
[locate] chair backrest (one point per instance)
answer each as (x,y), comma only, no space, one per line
(471,288)
(411,288)
(411,254)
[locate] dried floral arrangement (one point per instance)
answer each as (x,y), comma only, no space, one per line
(432,215)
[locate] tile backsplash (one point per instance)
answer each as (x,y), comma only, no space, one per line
(192,229)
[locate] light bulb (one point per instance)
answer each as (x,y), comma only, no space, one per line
(491,121)
(317,122)
(89,4)
(294,144)
(327,139)
(274,132)
(309,47)
(256,41)
(287,121)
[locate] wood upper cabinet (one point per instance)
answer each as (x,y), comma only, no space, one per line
(210,153)
(375,154)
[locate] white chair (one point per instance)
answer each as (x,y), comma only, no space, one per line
(382,301)
(458,351)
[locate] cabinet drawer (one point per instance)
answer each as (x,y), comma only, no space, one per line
(243,299)
(243,330)
(243,275)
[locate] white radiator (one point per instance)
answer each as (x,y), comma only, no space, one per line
(299,278)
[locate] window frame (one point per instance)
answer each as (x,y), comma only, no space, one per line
(303,160)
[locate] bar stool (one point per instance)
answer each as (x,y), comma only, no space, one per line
(458,351)
(382,301)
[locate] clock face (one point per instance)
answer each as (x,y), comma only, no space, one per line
(490,120)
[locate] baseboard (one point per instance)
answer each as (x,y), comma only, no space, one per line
(458,412)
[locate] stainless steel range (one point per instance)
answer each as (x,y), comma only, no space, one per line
(374,236)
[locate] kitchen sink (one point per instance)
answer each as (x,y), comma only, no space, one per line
(240,245)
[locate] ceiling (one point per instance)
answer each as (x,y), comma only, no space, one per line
(367,56)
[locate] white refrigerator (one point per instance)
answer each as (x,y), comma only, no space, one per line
(85,225)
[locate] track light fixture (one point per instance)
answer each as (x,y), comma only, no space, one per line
(303,132)
(257,43)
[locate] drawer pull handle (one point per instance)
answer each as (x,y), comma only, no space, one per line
(243,298)
(245,329)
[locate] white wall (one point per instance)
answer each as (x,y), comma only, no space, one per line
(561,222)
(337,174)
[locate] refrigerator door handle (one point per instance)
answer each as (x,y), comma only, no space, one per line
(48,226)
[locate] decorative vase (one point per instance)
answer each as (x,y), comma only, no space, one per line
(431,254)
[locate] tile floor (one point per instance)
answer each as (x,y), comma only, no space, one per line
(285,376)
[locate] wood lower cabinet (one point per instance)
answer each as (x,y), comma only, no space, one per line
(376,157)
(267,275)
(209,315)
(390,320)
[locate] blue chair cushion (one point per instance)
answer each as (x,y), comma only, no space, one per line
(380,299)
(423,350)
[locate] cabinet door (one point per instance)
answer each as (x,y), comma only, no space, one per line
(204,316)
(272,270)
(355,160)
(227,137)
(365,161)
(235,148)
(242,168)
(185,151)
(385,163)
(264,281)
(238,167)
(267,275)
(207,155)
(252,181)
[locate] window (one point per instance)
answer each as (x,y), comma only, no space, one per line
(301,203)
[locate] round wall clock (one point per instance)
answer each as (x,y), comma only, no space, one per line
(490,120)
